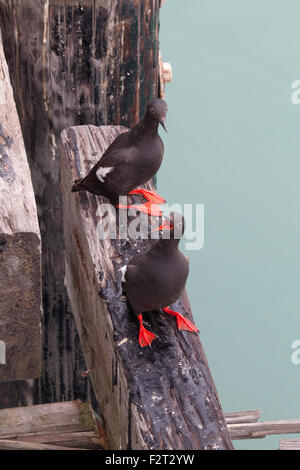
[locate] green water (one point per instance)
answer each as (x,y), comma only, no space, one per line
(233,145)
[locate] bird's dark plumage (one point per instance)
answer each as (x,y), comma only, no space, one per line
(133,158)
(157,278)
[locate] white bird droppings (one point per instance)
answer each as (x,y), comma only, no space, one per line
(102,172)
(123,271)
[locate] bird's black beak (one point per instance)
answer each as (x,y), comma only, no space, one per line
(163,123)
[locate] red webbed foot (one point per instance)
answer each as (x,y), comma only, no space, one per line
(145,336)
(151,207)
(148,208)
(149,195)
(182,322)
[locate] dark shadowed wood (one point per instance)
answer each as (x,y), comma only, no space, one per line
(20,248)
(158,398)
(73,62)
(67,424)
(16,393)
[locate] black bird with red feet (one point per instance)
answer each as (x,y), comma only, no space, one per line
(132,159)
(156,279)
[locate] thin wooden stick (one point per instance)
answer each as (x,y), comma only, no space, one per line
(259,430)
(289,444)
(250,416)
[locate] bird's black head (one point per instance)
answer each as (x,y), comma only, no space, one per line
(173,226)
(177,224)
(157,110)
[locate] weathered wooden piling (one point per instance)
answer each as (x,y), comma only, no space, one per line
(20,248)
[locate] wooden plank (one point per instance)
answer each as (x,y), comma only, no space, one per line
(67,424)
(77,440)
(159,398)
(6,444)
(250,416)
(73,62)
(20,248)
(289,444)
(39,419)
(263,429)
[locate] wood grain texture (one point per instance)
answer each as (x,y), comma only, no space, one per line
(264,428)
(289,444)
(73,62)
(20,247)
(158,398)
(250,416)
(67,424)
(6,444)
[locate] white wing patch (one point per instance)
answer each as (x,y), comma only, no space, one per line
(102,172)
(123,271)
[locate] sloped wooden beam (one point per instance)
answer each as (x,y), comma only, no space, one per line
(20,248)
(158,398)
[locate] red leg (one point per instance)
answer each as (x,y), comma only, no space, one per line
(148,208)
(145,336)
(149,195)
(182,322)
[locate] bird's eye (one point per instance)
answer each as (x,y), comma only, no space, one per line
(151,110)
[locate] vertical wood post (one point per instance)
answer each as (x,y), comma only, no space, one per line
(20,248)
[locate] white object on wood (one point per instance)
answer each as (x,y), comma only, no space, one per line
(165,74)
